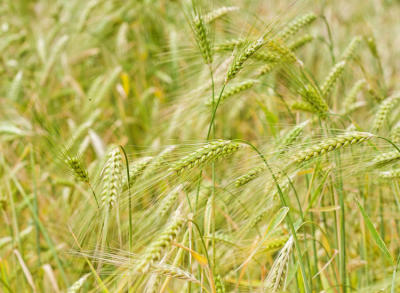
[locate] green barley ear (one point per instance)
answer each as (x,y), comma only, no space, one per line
(212,151)
(136,168)
(267,68)
(250,175)
(300,42)
(383,111)
(233,90)
(391,174)
(385,159)
(202,38)
(154,250)
(351,98)
(218,13)
(16,87)
(292,136)
(279,268)
(242,57)
(333,76)
(169,200)
(78,169)
(75,287)
(219,284)
(276,242)
(395,134)
(173,272)
(112,178)
(315,100)
(331,144)
(297,24)
(283,51)
(349,52)
(303,106)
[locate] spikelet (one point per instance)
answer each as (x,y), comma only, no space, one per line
(75,287)
(391,174)
(351,98)
(78,169)
(331,144)
(300,42)
(242,57)
(349,52)
(212,151)
(292,136)
(169,200)
(229,45)
(154,250)
(383,111)
(385,159)
(173,272)
(233,90)
(302,106)
(257,218)
(268,57)
(219,284)
(279,268)
(297,24)
(249,176)
(112,178)
(218,13)
(332,78)
(314,99)
(202,38)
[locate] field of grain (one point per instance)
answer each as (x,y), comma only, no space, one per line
(199,146)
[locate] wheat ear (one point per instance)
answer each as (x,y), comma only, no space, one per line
(332,78)
(297,24)
(383,111)
(202,38)
(112,178)
(233,90)
(218,13)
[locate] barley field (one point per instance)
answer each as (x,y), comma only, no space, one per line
(200,146)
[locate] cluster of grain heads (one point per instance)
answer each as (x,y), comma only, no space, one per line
(154,250)
(391,174)
(242,57)
(383,111)
(233,90)
(218,13)
(315,100)
(250,175)
(75,287)
(300,42)
(331,144)
(112,178)
(202,38)
(294,26)
(279,269)
(351,98)
(78,169)
(332,78)
(211,152)
(385,159)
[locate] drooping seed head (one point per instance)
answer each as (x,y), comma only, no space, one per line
(212,151)
(249,176)
(331,144)
(78,169)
